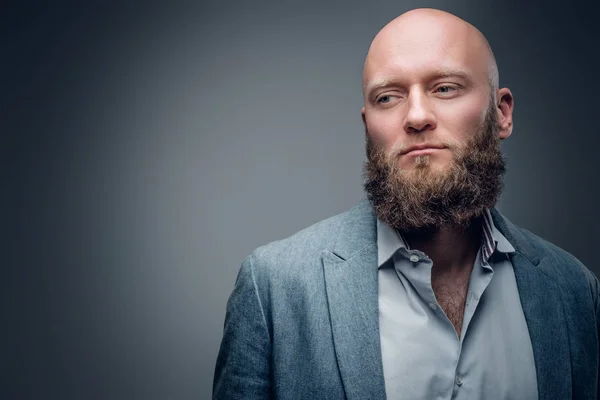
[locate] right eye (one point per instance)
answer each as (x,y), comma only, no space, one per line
(384,99)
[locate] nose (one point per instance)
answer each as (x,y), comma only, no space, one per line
(420,116)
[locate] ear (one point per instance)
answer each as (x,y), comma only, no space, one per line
(364,119)
(505,105)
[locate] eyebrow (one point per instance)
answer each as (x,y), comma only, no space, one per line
(438,74)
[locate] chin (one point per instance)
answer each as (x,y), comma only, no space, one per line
(429,163)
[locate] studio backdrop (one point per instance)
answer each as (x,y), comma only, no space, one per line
(148,149)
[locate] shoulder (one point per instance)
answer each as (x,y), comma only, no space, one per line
(551,252)
(554,261)
(299,257)
(567,269)
(305,242)
(290,269)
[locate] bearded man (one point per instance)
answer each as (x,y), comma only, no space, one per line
(424,290)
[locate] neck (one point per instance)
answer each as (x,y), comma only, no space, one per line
(451,248)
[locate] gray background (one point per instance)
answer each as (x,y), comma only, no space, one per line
(147,149)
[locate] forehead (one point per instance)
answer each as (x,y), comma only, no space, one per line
(413,51)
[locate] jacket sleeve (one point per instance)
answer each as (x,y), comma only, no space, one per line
(243,369)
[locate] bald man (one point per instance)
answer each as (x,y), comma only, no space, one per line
(423,291)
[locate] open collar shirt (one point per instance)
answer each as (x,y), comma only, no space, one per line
(423,357)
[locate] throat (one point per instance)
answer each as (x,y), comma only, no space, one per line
(451,248)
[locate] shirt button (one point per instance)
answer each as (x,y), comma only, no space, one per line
(414,258)
(459,380)
(432,306)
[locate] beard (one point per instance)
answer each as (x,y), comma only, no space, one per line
(423,199)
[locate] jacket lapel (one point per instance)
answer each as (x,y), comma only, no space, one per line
(544,313)
(352,293)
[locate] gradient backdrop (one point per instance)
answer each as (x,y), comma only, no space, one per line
(147,149)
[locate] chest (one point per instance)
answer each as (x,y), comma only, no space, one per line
(450,291)
(423,358)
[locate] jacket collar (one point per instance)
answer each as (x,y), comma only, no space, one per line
(515,236)
(357,231)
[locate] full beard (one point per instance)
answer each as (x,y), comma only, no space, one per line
(423,199)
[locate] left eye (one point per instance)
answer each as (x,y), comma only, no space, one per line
(445,89)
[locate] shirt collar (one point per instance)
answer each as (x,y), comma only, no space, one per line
(389,241)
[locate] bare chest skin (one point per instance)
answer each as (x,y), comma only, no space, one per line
(450,289)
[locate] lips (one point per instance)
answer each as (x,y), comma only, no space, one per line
(421,148)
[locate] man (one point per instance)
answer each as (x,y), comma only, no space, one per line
(425,291)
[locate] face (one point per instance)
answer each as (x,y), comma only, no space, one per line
(433,125)
(426,92)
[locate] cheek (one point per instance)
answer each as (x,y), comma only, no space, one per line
(383,131)
(464,123)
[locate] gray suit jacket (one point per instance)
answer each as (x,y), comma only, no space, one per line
(302,321)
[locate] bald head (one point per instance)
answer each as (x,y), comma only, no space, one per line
(427,35)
